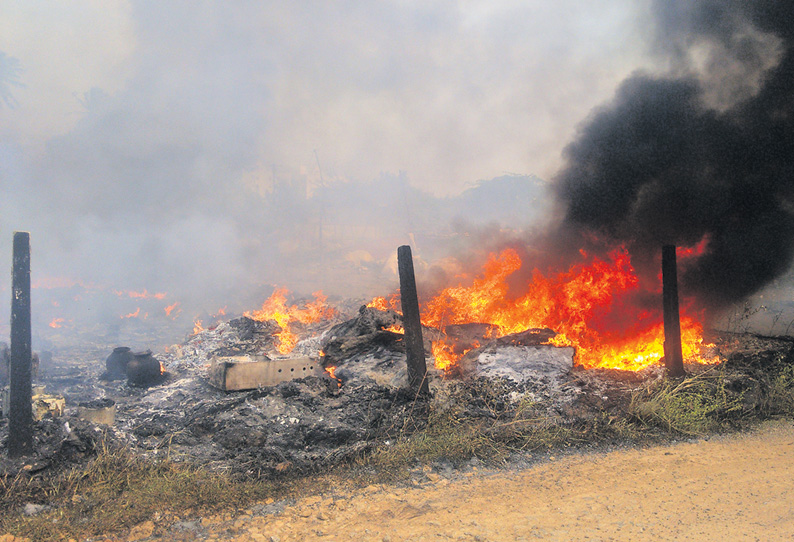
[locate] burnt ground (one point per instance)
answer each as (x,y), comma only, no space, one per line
(310,424)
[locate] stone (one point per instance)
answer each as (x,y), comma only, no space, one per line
(141,531)
(31,509)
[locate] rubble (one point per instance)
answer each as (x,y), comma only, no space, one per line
(520,357)
(47,405)
(309,423)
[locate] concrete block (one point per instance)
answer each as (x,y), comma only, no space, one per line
(249,372)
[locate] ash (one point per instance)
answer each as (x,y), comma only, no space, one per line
(312,423)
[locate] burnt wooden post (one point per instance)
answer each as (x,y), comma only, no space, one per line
(414,345)
(20,421)
(673,357)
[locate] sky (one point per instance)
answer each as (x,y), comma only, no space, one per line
(149,144)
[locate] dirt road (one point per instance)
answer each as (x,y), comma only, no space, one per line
(726,489)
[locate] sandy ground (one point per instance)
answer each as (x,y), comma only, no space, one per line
(728,489)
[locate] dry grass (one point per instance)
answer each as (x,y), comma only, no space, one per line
(694,406)
(117,489)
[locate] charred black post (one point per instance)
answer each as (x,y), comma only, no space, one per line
(673,357)
(414,345)
(20,422)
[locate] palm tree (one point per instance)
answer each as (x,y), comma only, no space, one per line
(10,68)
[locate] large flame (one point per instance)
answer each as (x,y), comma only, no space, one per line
(275,308)
(591,306)
(383,304)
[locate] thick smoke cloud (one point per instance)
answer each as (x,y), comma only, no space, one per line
(704,153)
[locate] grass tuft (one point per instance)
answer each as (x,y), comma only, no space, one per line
(780,397)
(694,406)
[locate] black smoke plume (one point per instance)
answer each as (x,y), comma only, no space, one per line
(704,152)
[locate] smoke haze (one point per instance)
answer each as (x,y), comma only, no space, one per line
(209,151)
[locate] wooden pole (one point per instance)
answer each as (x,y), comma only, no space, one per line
(673,357)
(20,422)
(414,345)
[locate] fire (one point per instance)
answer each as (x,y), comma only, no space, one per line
(383,304)
(695,250)
(56,323)
(197,326)
(591,306)
(445,354)
(275,308)
(395,328)
(331,370)
(170,308)
(132,314)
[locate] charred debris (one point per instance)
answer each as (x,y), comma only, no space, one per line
(355,398)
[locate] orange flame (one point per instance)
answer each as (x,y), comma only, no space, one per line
(275,308)
(56,323)
(383,304)
(170,308)
(197,326)
(132,314)
(395,328)
(445,354)
(590,306)
(331,370)
(695,250)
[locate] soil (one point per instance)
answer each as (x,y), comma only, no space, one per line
(736,488)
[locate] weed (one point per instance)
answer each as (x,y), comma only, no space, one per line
(696,405)
(780,398)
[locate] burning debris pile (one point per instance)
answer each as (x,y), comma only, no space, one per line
(568,319)
(296,388)
(318,388)
(295,425)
